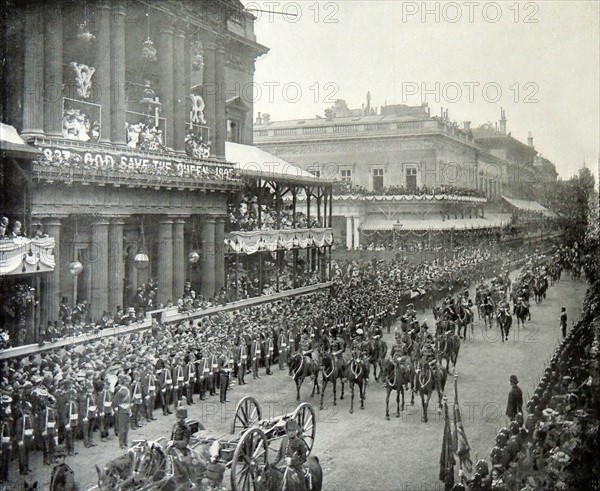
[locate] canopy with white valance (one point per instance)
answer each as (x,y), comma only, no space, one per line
(378,222)
(272,240)
(23,256)
(526,205)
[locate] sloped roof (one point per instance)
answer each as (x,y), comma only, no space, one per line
(14,145)
(523,204)
(254,162)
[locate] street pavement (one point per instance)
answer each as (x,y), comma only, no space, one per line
(363,451)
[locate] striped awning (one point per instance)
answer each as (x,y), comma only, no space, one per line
(378,222)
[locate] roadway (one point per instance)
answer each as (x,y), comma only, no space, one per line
(363,451)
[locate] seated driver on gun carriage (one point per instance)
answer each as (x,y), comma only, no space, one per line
(293,451)
(179,444)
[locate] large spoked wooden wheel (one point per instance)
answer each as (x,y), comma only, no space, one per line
(247,414)
(305,415)
(249,460)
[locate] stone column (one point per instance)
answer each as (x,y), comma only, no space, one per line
(209,91)
(33,68)
(51,281)
(349,229)
(179,91)
(165,58)
(165,261)
(178,258)
(98,257)
(53,79)
(220,254)
(103,71)
(208,257)
(116,266)
(220,115)
(117,73)
(356,234)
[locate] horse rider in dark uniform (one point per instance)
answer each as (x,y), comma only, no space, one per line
(293,451)
(180,438)
(63,477)
(337,348)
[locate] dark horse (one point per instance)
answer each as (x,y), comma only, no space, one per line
(428,379)
(504,321)
(396,374)
(487,311)
(302,366)
(522,312)
(272,478)
(357,372)
(540,286)
(464,318)
(330,372)
(377,352)
(448,348)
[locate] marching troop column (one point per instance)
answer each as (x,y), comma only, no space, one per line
(117,73)
(103,69)
(51,281)
(220,254)
(178,258)
(98,257)
(165,58)
(53,79)
(33,108)
(165,261)
(208,257)
(116,271)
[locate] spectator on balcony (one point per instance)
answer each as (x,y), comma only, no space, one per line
(3,228)
(15,230)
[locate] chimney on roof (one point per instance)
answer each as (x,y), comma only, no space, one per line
(266,118)
(502,121)
(368,108)
(467,125)
(259,119)
(530,139)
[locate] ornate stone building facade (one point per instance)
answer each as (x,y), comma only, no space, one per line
(130,104)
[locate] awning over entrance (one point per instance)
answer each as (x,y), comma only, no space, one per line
(254,162)
(534,206)
(272,240)
(377,222)
(13,145)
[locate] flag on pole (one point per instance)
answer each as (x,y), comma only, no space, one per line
(447,455)
(461,444)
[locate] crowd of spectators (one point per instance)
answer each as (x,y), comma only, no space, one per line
(257,210)
(345,187)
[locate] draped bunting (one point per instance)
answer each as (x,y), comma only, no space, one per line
(22,256)
(406,197)
(272,240)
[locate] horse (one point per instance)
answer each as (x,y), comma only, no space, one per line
(357,372)
(448,348)
(504,321)
(331,371)
(146,466)
(487,311)
(273,478)
(396,374)
(521,312)
(464,318)
(377,351)
(302,366)
(429,379)
(28,487)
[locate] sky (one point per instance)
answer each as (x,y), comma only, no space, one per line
(539,60)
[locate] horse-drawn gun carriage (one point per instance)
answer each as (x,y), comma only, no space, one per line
(244,454)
